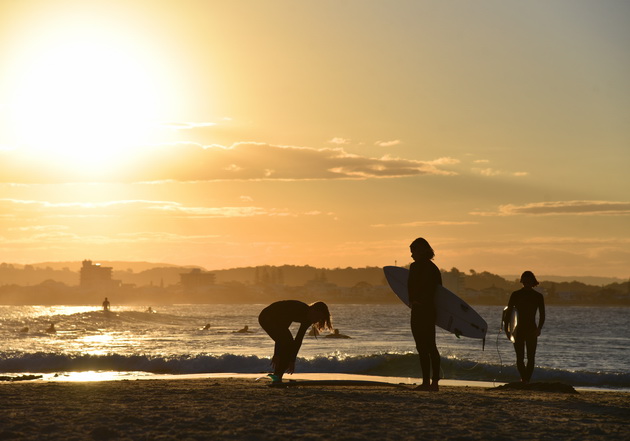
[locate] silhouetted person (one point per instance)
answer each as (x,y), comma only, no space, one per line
(24,330)
(336,334)
(150,310)
(276,319)
(205,328)
(51,329)
(106,305)
(424,278)
(527,301)
(245,330)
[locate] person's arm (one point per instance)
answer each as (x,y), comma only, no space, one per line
(297,344)
(299,337)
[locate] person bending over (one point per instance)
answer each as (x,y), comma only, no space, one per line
(276,320)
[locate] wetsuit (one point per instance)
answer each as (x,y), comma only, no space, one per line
(527,301)
(276,319)
(424,278)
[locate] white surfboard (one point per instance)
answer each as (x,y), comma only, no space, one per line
(509,323)
(452,313)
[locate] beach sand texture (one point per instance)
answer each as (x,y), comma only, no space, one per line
(242,409)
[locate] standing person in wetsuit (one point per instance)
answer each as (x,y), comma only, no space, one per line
(424,278)
(527,301)
(276,319)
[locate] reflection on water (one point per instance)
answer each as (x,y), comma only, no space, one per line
(175,339)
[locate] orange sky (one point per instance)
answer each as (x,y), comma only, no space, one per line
(238,133)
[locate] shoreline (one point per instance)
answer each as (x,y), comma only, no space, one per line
(105,376)
(240,408)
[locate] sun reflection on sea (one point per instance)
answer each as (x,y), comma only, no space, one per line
(62,310)
(96,376)
(99,344)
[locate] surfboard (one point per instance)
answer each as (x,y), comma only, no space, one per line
(314,383)
(509,323)
(452,313)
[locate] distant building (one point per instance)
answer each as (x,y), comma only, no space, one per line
(196,279)
(96,276)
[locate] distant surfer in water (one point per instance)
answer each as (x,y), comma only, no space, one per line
(106,305)
(276,319)
(336,334)
(527,301)
(244,330)
(424,278)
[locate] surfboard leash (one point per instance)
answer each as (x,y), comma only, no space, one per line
(499,354)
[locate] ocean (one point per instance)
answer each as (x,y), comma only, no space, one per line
(582,346)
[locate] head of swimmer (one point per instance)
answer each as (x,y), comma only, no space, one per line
(421,250)
(319,315)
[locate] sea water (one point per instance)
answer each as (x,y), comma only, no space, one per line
(582,346)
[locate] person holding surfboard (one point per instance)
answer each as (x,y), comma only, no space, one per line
(527,301)
(424,278)
(276,319)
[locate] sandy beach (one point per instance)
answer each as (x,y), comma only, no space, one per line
(243,409)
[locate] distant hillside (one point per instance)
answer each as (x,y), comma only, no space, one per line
(136,267)
(588,280)
(164,274)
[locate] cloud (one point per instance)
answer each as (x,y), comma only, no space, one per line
(494,172)
(393,143)
(188,125)
(427,224)
(190,162)
(339,141)
(566,208)
(257,161)
(40,228)
(68,238)
(42,209)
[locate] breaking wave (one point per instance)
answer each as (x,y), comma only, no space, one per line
(398,365)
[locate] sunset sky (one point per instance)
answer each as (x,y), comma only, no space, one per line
(330,133)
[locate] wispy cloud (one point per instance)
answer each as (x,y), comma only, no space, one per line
(190,162)
(427,224)
(42,209)
(188,125)
(392,143)
(488,171)
(339,141)
(257,161)
(566,208)
(76,239)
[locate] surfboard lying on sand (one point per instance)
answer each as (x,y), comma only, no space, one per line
(311,383)
(509,323)
(452,313)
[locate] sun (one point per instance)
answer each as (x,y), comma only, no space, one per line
(85,95)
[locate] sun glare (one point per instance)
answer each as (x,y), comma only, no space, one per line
(85,96)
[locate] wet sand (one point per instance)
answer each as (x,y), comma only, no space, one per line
(243,409)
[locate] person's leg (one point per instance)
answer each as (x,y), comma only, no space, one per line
(530,344)
(423,331)
(435,356)
(423,354)
(519,348)
(283,348)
